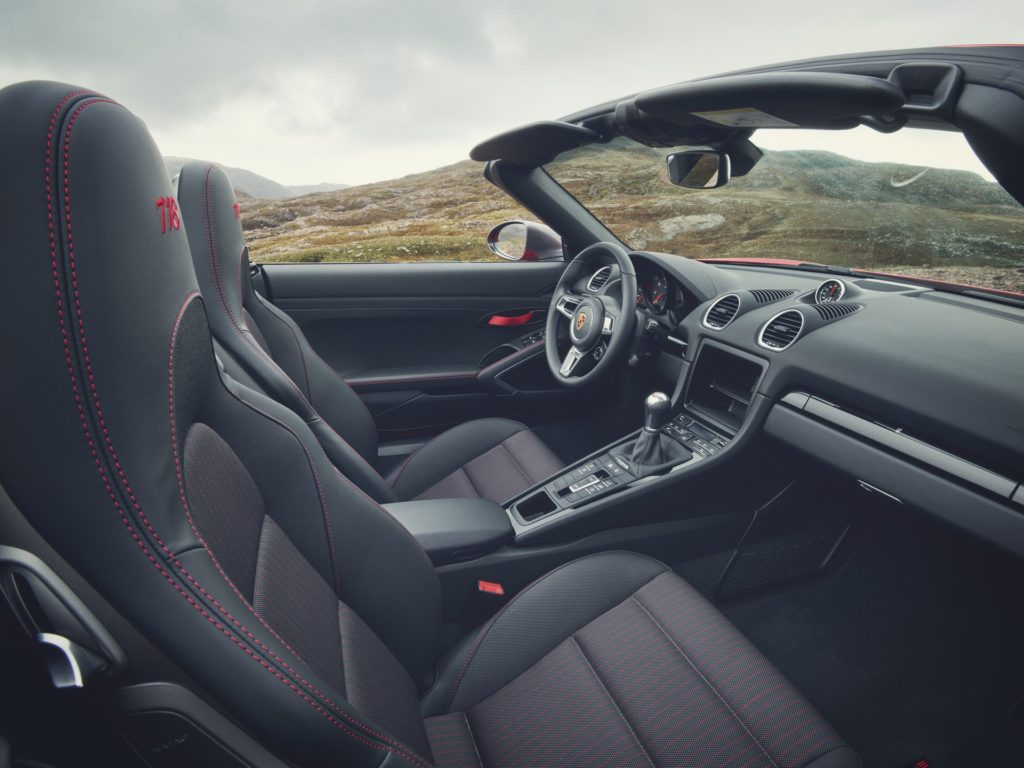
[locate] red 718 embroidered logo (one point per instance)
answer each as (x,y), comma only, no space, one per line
(169,218)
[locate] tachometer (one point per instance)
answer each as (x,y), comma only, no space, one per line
(829,291)
(655,287)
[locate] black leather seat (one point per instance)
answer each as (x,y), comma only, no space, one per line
(489,458)
(210,517)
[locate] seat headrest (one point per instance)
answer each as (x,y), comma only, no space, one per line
(210,211)
(95,273)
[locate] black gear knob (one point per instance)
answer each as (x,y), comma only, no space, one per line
(656,411)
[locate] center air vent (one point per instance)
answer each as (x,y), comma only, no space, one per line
(722,312)
(599,278)
(781,331)
(835,310)
(770,295)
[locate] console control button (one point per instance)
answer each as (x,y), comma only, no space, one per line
(584,483)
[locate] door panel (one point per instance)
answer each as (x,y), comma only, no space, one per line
(412,339)
(365,318)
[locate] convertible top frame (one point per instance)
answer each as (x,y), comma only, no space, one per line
(976,90)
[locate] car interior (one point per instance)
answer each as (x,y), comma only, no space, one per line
(586,504)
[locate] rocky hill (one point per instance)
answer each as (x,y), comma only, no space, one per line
(807,205)
(442,214)
(254,185)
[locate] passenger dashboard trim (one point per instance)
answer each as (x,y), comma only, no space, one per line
(910,447)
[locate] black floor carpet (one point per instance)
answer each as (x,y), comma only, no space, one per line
(913,650)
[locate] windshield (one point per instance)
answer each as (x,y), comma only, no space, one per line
(914,203)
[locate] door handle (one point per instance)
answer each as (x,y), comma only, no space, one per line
(506,320)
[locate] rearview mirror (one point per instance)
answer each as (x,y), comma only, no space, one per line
(698,169)
(525,241)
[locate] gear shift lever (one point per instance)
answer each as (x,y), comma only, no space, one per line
(652,451)
(656,411)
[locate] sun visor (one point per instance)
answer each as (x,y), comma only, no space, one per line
(773,100)
(535,143)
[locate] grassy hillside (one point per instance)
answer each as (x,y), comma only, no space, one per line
(443,214)
(812,206)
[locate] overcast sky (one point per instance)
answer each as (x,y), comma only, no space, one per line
(354,91)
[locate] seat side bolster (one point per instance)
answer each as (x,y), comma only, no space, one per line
(533,623)
(840,757)
(449,451)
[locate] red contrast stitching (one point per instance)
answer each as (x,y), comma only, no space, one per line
(215,269)
(497,363)
(188,514)
(357,454)
(298,344)
(487,627)
(106,436)
(412,455)
(316,478)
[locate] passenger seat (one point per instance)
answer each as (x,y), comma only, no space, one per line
(487,458)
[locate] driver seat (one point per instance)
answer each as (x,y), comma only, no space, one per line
(261,345)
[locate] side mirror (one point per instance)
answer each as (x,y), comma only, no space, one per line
(525,241)
(698,169)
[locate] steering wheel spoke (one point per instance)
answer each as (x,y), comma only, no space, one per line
(610,322)
(567,303)
(612,311)
(572,357)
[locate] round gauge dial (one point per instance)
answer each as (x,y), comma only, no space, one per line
(655,288)
(829,291)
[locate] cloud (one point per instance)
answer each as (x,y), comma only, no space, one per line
(358,90)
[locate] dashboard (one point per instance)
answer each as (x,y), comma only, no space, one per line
(916,392)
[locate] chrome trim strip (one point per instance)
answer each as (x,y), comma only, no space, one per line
(64,667)
(572,357)
(910,447)
(875,489)
(563,302)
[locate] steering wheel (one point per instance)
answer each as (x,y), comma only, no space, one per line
(600,326)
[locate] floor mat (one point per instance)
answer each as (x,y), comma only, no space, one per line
(915,649)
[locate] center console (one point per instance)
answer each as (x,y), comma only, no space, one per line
(676,436)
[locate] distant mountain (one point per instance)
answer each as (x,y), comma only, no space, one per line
(309,189)
(254,185)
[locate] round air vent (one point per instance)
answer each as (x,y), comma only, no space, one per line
(781,331)
(598,279)
(722,312)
